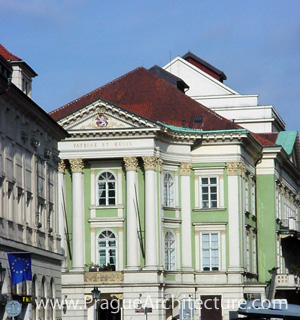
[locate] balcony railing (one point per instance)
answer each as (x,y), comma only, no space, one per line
(287,281)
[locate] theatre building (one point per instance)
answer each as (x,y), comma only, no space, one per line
(160,200)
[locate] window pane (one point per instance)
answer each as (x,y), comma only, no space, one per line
(214,204)
(213,180)
(204,180)
(102,201)
(213,189)
(111,201)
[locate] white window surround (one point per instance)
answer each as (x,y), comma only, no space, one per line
(98,167)
(212,172)
(170,250)
(99,225)
(204,228)
(106,248)
(95,194)
(169,190)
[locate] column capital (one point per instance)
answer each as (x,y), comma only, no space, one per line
(131,163)
(185,168)
(150,163)
(61,166)
(76,165)
(235,168)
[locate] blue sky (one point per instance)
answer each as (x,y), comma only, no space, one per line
(76,46)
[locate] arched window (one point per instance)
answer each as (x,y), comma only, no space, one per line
(52,298)
(169,251)
(43,310)
(107,248)
(168,190)
(106,189)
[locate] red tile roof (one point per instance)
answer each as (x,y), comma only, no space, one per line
(266,139)
(145,94)
(8,55)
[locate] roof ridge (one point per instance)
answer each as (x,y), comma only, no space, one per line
(95,90)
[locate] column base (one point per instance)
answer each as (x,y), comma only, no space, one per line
(150,268)
(133,268)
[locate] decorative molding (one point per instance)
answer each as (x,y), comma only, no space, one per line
(236,169)
(119,171)
(150,163)
(61,166)
(185,168)
(76,165)
(131,163)
(92,229)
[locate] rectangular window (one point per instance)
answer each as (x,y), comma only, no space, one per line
(247,249)
(254,253)
(210,251)
(247,194)
(209,192)
(253,199)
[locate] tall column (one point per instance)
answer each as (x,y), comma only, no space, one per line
(151,231)
(78,215)
(61,208)
(185,172)
(131,165)
(234,172)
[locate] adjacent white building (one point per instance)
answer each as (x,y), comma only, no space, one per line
(206,86)
(28,197)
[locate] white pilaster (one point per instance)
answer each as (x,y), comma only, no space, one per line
(78,215)
(185,171)
(234,172)
(151,231)
(131,165)
(61,209)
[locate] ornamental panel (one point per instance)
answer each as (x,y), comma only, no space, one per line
(104,277)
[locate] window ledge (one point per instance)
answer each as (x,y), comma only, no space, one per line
(208,209)
(120,206)
(171,208)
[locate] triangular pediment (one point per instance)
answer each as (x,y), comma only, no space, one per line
(103,116)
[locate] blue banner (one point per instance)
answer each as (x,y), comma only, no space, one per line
(20,267)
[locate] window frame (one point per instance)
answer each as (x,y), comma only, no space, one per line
(167,202)
(170,252)
(106,189)
(209,193)
(210,249)
(106,248)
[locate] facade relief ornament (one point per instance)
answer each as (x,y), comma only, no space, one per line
(236,169)
(76,165)
(131,163)
(150,163)
(185,168)
(61,166)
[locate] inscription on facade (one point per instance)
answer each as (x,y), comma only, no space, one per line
(104,144)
